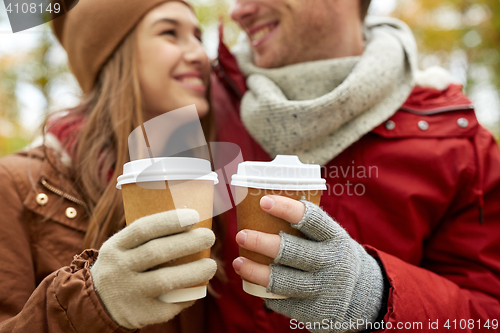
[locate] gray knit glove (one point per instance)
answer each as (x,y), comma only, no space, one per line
(327,278)
(120,273)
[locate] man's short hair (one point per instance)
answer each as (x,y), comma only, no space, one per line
(363,6)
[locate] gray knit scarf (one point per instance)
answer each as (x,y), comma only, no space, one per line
(317,109)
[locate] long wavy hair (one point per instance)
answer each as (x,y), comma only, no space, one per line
(105,118)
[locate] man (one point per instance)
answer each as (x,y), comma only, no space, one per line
(421,245)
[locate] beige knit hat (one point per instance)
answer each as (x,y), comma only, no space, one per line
(92,30)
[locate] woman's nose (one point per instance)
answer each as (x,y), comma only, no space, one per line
(242,10)
(195,53)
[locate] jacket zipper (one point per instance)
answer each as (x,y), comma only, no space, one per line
(439,110)
(61,193)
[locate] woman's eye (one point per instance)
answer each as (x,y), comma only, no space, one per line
(170,32)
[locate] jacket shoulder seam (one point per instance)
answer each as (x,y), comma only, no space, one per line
(12,179)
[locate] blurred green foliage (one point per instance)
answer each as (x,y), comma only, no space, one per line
(212,13)
(35,68)
(12,144)
(442,27)
(468,30)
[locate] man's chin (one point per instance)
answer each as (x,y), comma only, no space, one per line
(267,60)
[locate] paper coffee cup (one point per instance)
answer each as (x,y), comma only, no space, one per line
(285,176)
(151,186)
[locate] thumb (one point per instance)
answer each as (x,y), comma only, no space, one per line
(318,225)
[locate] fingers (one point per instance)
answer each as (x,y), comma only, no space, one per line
(164,249)
(307,217)
(155,226)
(251,271)
(163,280)
(292,282)
(259,242)
(303,254)
(285,208)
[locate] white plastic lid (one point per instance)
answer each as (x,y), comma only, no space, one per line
(166,168)
(285,172)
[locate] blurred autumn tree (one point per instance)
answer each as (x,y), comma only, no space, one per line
(464,37)
(34,68)
(10,139)
(461,35)
(451,25)
(210,13)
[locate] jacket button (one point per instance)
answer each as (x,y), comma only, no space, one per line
(462,122)
(423,125)
(70,213)
(42,199)
(390,125)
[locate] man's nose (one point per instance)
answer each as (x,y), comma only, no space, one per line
(243,9)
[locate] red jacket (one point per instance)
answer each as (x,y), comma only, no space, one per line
(425,202)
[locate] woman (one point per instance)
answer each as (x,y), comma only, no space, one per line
(134,61)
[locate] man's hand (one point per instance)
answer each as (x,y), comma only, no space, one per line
(285,208)
(328,276)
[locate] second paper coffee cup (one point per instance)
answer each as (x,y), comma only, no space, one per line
(155,185)
(286,175)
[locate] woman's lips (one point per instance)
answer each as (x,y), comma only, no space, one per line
(192,81)
(260,34)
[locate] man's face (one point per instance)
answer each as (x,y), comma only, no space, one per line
(284,32)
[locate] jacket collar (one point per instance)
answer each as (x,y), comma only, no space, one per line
(227,70)
(53,169)
(43,175)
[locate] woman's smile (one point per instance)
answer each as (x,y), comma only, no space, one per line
(174,70)
(192,80)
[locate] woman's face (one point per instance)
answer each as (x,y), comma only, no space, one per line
(173,67)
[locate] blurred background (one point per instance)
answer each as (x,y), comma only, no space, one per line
(462,36)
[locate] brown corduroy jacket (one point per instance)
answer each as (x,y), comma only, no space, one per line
(45,285)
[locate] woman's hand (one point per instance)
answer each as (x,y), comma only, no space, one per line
(326,277)
(120,273)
